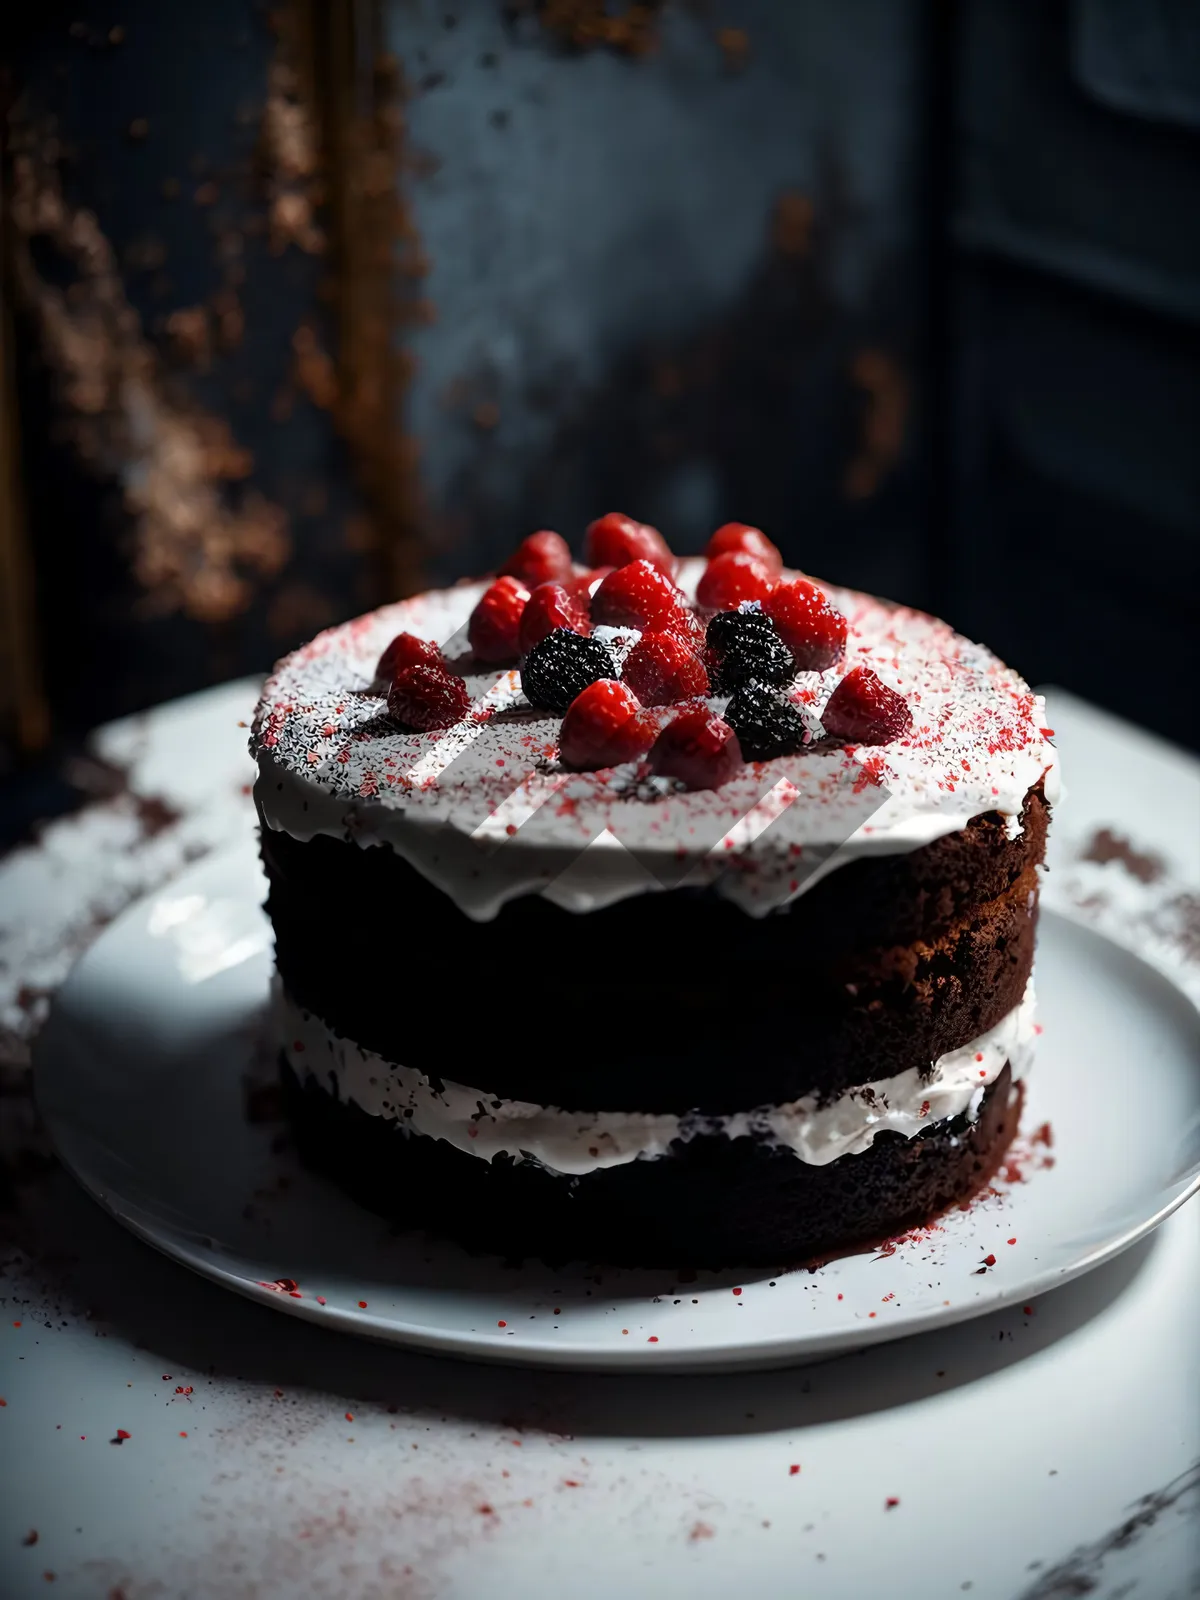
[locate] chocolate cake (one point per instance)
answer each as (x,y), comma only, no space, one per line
(653,912)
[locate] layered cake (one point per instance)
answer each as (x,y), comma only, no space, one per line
(651,911)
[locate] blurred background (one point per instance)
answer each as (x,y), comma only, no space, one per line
(309,305)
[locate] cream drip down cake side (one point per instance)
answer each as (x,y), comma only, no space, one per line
(648,911)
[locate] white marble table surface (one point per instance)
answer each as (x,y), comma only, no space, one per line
(1050,1456)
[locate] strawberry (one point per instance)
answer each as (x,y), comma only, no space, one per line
(863,710)
(733,578)
(698,748)
(685,625)
(615,540)
(741,539)
(808,622)
(604,726)
(550,606)
(495,622)
(637,595)
(427,697)
(542,558)
(661,668)
(406,650)
(586,584)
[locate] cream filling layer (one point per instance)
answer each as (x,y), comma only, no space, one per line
(578,1142)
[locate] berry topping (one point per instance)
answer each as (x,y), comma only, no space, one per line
(637,595)
(615,540)
(662,668)
(496,620)
(604,726)
(766,724)
(685,625)
(743,647)
(697,747)
(863,710)
(739,538)
(808,622)
(732,578)
(542,558)
(427,697)
(406,650)
(550,606)
(561,666)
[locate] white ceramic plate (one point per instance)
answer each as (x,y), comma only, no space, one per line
(141,1073)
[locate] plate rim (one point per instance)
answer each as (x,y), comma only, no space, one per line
(773,1351)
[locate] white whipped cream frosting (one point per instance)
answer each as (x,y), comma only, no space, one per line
(486,813)
(578,1142)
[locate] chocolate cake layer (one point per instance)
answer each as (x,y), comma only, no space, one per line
(712,1202)
(675,1002)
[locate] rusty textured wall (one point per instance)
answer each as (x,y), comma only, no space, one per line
(669,265)
(683,278)
(192,509)
(316,303)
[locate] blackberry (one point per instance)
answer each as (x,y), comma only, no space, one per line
(766,724)
(561,666)
(745,648)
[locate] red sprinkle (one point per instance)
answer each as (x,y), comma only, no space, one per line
(362,1305)
(892,1500)
(989,1261)
(737,1291)
(320,1299)
(793,1469)
(1028,1310)
(653,1339)
(349,1416)
(1012,1241)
